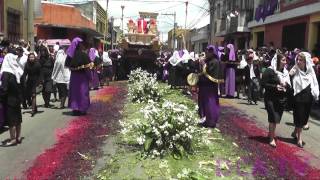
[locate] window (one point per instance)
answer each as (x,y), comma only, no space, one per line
(1,16)
(13,24)
(218,11)
(288,32)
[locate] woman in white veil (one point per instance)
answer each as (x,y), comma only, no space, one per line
(306,89)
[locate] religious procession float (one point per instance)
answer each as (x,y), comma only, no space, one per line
(141,45)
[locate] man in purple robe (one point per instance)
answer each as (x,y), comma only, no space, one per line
(208,98)
(230,84)
(79,64)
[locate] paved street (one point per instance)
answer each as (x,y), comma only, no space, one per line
(55,142)
(38,133)
(259,114)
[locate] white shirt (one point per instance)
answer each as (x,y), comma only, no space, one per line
(56,48)
(252,74)
(60,73)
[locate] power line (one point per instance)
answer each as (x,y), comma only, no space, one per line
(167,8)
(205,14)
(200,7)
(196,18)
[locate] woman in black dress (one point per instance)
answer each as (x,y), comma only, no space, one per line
(306,88)
(32,72)
(47,64)
(11,95)
(276,81)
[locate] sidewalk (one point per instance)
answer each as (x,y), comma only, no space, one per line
(315,112)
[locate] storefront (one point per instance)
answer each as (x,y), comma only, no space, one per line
(314,31)
(257,37)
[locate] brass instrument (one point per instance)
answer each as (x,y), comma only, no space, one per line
(90,66)
(193,78)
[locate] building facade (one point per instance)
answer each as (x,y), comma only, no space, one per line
(229,22)
(200,39)
(53,23)
(293,24)
(181,36)
(90,9)
(13,19)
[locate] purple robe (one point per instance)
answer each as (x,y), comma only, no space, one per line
(181,53)
(95,82)
(230,82)
(165,75)
(208,102)
(79,98)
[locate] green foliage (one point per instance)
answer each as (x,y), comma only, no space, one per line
(207,155)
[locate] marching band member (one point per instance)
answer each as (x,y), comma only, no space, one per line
(79,64)
(208,99)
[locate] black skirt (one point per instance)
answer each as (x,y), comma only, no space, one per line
(48,86)
(13,116)
(301,112)
(302,107)
(275,109)
(62,89)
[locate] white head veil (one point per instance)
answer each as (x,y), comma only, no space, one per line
(303,79)
(10,65)
(283,76)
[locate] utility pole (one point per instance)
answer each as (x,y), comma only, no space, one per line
(174,28)
(122,7)
(106,26)
(112,20)
(185,23)
(174,32)
(30,23)
(212,17)
(185,27)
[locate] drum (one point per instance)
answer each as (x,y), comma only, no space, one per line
(193,79)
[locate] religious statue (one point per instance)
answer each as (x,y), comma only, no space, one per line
(152,26)
(131,26)
(142,26)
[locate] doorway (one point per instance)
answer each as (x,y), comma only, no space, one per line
(260,39)
(293,36)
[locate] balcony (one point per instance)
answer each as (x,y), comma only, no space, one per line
(223,24)
(238,23)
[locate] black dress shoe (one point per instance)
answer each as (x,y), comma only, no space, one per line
(76,113)
(205,125)
(294,135)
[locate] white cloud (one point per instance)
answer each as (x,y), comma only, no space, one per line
(198,15)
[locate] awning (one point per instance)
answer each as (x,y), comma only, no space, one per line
(62,42)
(86,30)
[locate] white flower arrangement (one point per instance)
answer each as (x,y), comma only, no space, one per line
(168,128)
(143,86)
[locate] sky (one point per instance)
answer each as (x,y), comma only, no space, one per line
(198,14)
